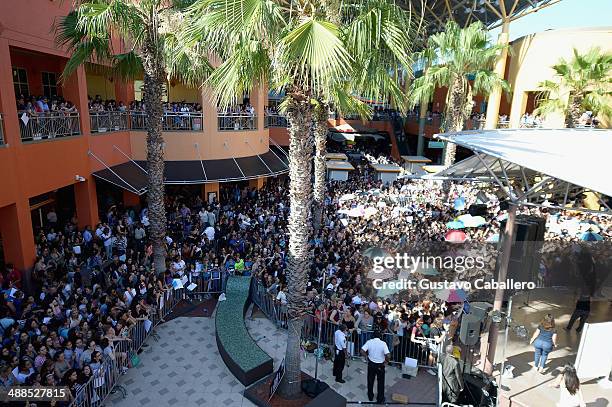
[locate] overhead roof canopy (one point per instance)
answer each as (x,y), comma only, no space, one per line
(132,175)
(491,12)
(533,165)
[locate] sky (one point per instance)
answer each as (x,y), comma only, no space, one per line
(565,14)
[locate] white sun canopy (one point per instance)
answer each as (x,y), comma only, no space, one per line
(536,162)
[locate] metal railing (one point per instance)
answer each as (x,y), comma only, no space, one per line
(105,378)
(49,125)
(1,131)
(236,123)
(102,122)
(206,283)
(171,121)
(425,351)
(275,120)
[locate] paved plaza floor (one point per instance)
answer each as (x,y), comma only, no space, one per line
(184,368)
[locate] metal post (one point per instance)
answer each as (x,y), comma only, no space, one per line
(501,370)
(488,356)
(320,327)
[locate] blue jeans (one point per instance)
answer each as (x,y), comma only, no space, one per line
(542,349)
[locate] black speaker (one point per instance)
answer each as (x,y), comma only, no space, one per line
(478,210)
(478,391)
(480,310)
(470,329)
(526,249)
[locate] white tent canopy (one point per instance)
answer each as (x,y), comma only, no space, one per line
(532,162)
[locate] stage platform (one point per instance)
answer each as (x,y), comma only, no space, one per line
(529,388)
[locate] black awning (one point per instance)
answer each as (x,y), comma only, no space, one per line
(132,176)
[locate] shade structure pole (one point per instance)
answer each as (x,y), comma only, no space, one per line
(487,359)
(503,358)
(494,100)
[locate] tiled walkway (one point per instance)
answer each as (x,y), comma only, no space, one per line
(184,369)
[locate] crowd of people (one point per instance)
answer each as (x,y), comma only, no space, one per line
(42,105)
(89,286)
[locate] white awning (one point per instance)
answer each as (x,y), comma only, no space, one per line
(563,159)
(580,156)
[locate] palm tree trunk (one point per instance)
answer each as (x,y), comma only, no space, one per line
(298,258)
(320,139)
(574,111)
(455,117)
(152,95)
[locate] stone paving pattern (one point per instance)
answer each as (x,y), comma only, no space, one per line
(184,368)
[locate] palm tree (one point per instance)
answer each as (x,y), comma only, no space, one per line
(583,84)
(320,140)
(325,50)
(145,27)
(453,57)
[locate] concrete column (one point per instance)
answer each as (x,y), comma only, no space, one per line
(7,98)
(124,91)
(500,69)
(130,199)
(86,202)
(517,108)
(208,188)
(75,90)
(17,235)
(257,183)
(258,98)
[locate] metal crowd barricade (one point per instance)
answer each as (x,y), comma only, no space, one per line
(207,283)
(400,346)
(102,122)
(48,125)
(276,120)
(104,380)
(236,122)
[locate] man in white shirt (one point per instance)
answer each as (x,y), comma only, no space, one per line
(340,355)
(377,352)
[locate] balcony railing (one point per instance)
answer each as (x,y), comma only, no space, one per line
(1,131)
(51,125)
(275,120)
(171,121)
(235,123)
(102,122)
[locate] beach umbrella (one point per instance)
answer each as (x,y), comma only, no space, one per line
(347,197)
(451,295)
(375,251)
(472,221)
(455,224)
(455,236)
(591,237)
(356,212)
(370,211)
(494,238)
(381,204)
(459,204)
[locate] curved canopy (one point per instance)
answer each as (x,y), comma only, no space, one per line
(527,162)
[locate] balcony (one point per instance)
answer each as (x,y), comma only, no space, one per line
(45,126)
(275,120)
(180,121)
(102,122)
(1,131)
(236,122)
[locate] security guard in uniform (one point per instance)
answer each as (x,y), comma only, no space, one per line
(340,354)
(377,352)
